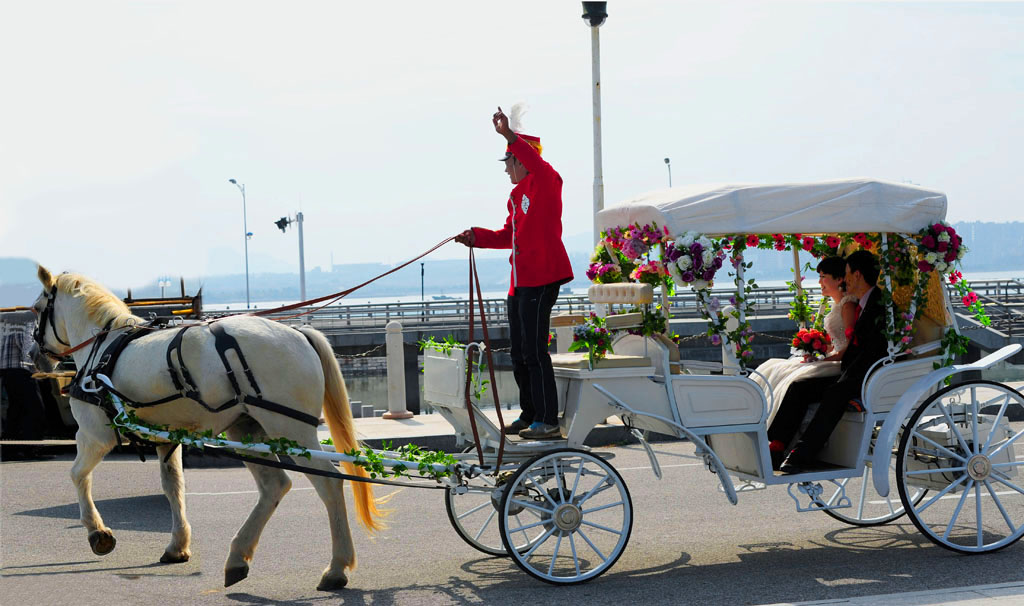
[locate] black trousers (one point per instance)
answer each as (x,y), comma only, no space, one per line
(529,321)
(833,396)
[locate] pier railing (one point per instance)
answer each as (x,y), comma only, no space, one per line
(1003,300)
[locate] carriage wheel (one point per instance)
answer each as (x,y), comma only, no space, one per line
(868,508)
(573,509)
(474,515)
(964,445)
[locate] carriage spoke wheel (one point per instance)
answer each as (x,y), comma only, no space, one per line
(474,515)
(964,445)
(573,509)
(868,508)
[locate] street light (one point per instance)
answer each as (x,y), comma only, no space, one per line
(668,163)
(163,284)
(595,14)
(248,234)
(422,271)
(282,224)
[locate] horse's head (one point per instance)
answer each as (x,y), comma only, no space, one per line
(71,307)
(50,342)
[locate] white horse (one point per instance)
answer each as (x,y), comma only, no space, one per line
(294,368)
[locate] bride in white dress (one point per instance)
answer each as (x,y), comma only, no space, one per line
(781,373)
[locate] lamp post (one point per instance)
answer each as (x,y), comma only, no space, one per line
(163,284)
(245,228)
(595,14)
(422,271)
(668,163)
(282,224)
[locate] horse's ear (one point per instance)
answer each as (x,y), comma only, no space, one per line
(45,277)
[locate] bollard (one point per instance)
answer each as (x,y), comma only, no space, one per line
(563,338)
(396,371)
(366,411)
(357,408)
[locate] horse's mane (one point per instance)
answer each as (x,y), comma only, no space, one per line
(102,305)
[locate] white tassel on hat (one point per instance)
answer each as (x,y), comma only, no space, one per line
(515,116)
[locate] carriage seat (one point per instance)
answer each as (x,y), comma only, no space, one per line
(578,360)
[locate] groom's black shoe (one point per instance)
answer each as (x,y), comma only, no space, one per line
(798,462)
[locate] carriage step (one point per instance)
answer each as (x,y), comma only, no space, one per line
(812,491)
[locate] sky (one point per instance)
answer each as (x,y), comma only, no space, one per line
(123,121)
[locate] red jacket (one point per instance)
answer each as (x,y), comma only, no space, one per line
(533,229)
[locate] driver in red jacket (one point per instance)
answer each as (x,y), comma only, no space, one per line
(540,265)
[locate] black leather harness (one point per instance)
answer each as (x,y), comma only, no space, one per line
(179,373)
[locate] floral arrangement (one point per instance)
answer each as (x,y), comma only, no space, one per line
(594,337)
(694,260)
(636,240)
(941,247)
(652,273)
(811,343)
(604,273)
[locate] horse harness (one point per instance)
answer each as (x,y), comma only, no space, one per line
(180,375)
(46,317)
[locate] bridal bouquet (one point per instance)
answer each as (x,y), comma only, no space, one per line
(811,343)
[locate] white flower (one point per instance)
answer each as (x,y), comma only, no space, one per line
(931,258)
(704,242)
(684,262)
(963,251)
(685,241)
(707,256)
(941,266)
(943,237)
(699,284)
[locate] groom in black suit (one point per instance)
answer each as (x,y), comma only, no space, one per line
(867,345)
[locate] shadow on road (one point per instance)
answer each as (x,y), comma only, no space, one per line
(148,513)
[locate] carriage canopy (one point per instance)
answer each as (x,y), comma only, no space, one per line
(849,205)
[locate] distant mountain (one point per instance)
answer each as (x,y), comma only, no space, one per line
(19,286)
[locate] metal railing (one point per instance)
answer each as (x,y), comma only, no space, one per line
(1003,300)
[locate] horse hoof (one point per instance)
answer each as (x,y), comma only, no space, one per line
(172,558)
(234,575)
(332,583)
(102,542)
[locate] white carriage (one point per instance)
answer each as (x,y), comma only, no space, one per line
(564,514)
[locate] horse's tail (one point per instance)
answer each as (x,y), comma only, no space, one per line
(339,419)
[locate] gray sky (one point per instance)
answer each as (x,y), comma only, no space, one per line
(122,121)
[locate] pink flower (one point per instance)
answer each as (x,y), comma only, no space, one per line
(832,241)
(938,228)
(808,243)
(928,242)
(950,257)
(753,240)
(942,247)
(906,339)
(924,266)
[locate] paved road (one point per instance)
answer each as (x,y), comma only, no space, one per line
(688,545)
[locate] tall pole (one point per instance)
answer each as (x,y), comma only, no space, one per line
(595,14)
(595,70)
(302,261)
(422,271)
(245,229)
(668,163)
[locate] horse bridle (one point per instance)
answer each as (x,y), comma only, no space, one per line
(46,317)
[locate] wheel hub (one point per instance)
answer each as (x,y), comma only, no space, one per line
(568,517)
(979,467)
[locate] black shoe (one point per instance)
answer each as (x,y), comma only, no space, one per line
(516,426)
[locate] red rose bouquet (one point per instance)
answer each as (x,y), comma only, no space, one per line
(811,343)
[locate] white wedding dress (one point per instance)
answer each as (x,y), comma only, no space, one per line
(781,373)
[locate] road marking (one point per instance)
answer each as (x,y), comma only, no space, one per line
(214,494)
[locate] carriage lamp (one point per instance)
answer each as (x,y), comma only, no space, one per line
(595,13)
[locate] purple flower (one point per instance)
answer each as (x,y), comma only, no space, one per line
(732,300)
(592,271)
(716,340)
(709,275)
(688,276)
(717,263)
(698,263)
(696,249)
(715,304)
